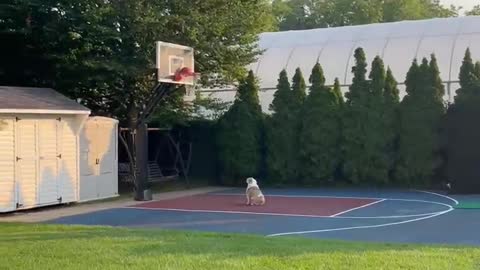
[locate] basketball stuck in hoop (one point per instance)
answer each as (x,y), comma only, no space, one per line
(181,75)
(176,65)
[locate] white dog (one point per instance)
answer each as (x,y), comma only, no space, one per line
(253,192)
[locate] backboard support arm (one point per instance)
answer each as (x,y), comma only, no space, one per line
(159,92)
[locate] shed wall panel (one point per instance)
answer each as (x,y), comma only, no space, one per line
(7,164)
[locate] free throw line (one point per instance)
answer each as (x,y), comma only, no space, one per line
(356,208)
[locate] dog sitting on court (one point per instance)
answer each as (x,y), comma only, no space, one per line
(253,192)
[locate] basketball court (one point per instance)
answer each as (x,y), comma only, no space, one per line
(345,214)
(353,215)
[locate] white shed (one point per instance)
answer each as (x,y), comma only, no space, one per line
(38,147)
(98,159)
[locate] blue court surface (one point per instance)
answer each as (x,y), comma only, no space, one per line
(354,215)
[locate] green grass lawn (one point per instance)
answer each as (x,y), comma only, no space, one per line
(75,247)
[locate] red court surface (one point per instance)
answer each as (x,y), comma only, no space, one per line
(316,207)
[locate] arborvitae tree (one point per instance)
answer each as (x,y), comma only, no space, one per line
(356,122)
(320,132)
(391,102)
(437,84)
(281,135)
(376,140)
(407,132)
(477,70)
(283,95)
(468,77)
(463,131)
(391,93)
(299,88)
(248,93)
(467,70)
(239,137)
(420,114)
(338,92)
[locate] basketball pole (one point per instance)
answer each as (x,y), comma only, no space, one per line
(159,92)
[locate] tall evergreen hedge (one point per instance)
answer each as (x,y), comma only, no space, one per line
(281,134)
(371,136)
(299,88)
(239,135)
(463,131)
(355,145)
(421,112)
(391,101)
(320,131)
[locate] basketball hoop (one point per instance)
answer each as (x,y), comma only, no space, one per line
(176,65)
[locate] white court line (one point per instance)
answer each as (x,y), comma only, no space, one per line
(362,227)
(387,217)
(441,195)
(356,208)
(300,196)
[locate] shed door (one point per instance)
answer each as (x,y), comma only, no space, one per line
(105,149)
(37,147)
(26,178)
(48,142)
(88,162)
(98,156)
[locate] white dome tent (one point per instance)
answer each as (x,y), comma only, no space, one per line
(397,43)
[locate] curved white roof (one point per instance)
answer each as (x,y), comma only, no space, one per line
(397,43)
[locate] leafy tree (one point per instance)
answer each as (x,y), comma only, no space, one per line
(420,114)
(320,132)
(475,11)
(239,137)
(103,51)
(348,12)
(308,14)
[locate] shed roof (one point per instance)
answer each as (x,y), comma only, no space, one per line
(37,100)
